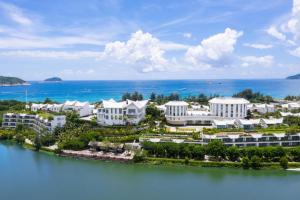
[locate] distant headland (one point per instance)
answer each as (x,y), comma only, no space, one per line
(297,76)
(11,81)
(53,79)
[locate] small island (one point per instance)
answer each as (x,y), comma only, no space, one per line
(297,76)
(11,81)
(53,79)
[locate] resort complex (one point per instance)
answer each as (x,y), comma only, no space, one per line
(118,130)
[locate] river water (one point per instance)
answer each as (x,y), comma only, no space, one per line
(29,175)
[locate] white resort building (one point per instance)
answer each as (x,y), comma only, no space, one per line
(121,113)
(82,108)
(223,108)
(36,122)
(291,106)
(261,108)
(228,107)
(46,107)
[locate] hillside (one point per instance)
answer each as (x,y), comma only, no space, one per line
(54,79)
(297,76)
(11,81)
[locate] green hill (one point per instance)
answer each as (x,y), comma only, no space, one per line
(55,79)
(297,76)
(10,81)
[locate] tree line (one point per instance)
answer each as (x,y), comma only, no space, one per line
(254,97)
(217,151)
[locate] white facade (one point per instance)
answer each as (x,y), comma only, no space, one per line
(261,108)
(291,106)
(271,122)
(82,108)
(47,107)
(121,113)
(228,107)
(179,113)
(229,123)
(36,122)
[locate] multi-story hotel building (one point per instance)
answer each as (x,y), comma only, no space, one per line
(36,122)
(178,112)
(228,107)
(121,113)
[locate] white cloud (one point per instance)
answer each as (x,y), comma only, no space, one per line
(296,52)
(288,26)
(187,35)
(264,61)
(275,33)
(15,14)
(51,54)
(214,49)
(258,46)
(141,49)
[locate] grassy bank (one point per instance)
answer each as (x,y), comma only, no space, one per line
(195,163)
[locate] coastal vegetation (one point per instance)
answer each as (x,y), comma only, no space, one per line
(253,97)
(248,157)
(10,81)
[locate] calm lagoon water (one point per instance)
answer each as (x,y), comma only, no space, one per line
(98,90)
(25,174)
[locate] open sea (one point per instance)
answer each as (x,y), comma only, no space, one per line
(98,90)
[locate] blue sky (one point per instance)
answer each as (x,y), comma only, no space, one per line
(170,39)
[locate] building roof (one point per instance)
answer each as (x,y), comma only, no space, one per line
(177,103)
(228,100)
(245,122)
(139,104)
(114,104)
(273,121)
(223,122)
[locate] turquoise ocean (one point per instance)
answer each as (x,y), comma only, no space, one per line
(98,90)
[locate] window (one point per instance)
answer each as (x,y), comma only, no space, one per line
(131,111)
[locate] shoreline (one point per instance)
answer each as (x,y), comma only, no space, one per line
(152,161)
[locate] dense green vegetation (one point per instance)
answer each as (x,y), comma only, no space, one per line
(5,80)
(249,157)
(292,98)
(254,97)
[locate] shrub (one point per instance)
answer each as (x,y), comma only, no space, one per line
(245,163)
(283,162)
(255,162)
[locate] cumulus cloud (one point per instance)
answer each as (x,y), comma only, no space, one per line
(213,50)
(264,61)
(288,25)
(259,46)
(141,49)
